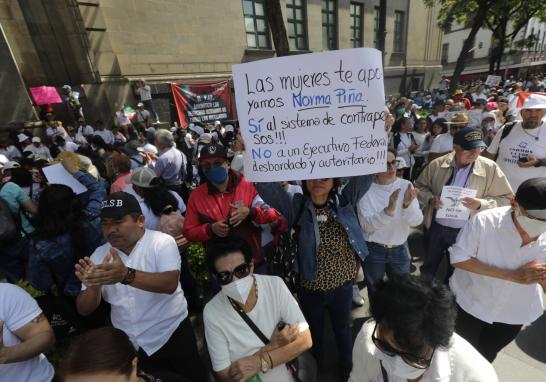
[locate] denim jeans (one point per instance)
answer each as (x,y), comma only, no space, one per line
(149,105)
(338,303)
(383,260)
(440,238)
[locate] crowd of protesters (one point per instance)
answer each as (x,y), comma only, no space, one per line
(114,258)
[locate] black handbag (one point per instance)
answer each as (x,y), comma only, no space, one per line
(303,368)
(60,310)
(60,313)
(281,263)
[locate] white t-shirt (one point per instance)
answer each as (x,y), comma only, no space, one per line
(148,318)
(145,92)
(142,115)
(42,151)
(519,143)
(18,308)
(122,118)
(85,130)
(491,237)
(11,152)
(381,228)
(52,131)
(106,136)
(69,146)
(443,143)
(151,221)
(229,338)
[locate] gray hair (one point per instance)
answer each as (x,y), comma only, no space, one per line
(165,137)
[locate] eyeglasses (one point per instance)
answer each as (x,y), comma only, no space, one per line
(393,164)
(410,359)
(239,271)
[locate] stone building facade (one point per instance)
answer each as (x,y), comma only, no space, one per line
(103,45)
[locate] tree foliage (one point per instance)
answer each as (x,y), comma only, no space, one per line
(505,20)
(469,12)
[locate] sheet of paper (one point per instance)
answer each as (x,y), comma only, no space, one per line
(57,174)
(452,198)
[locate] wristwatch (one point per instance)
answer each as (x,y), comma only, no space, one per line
(129,277)
(265,365)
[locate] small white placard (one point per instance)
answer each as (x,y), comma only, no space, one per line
(57,174)
(452,198)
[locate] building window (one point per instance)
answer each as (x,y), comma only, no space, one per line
(445,53)
(257,32)
(398,45)
(329,24)
(356,24)
(376,27)
(297,21)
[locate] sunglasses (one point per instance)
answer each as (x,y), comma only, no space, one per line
(239,271)
(393,164)
(410,359)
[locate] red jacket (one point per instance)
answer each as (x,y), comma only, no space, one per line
(207,205)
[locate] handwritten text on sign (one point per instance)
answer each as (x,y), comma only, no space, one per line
(312,116)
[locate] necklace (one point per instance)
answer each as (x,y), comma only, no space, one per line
(531,135)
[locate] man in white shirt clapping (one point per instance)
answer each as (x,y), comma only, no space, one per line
(137,273)
(500,270)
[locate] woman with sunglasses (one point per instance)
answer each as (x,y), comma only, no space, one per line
(386,213)
(411,338)
(330,247)
(238,351)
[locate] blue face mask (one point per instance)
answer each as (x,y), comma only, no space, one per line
(216,175)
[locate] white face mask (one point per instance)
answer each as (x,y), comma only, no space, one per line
(239,289)
(532,227)
(395,365)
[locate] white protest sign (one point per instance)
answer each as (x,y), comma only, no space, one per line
(57,174)
(447,115)
(493,80)
(318,115)
(474,117)
(452,199)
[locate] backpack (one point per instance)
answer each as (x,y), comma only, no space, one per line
(9,224)
(507,128)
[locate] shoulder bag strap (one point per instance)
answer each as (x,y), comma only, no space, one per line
(249,322)
(384,373)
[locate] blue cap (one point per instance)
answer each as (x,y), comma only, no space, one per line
(469,138)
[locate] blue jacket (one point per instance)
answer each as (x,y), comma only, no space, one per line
(343,205)
(52,261)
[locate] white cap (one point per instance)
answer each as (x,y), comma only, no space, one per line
(36,140)
(401,163)
(229,128)
(67,87)
(3,159)
(22,137)
(217,123)
(534,101)
(488,115)
(173,129)
(11,164)
(205,138)
(140,104)
(197,129)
